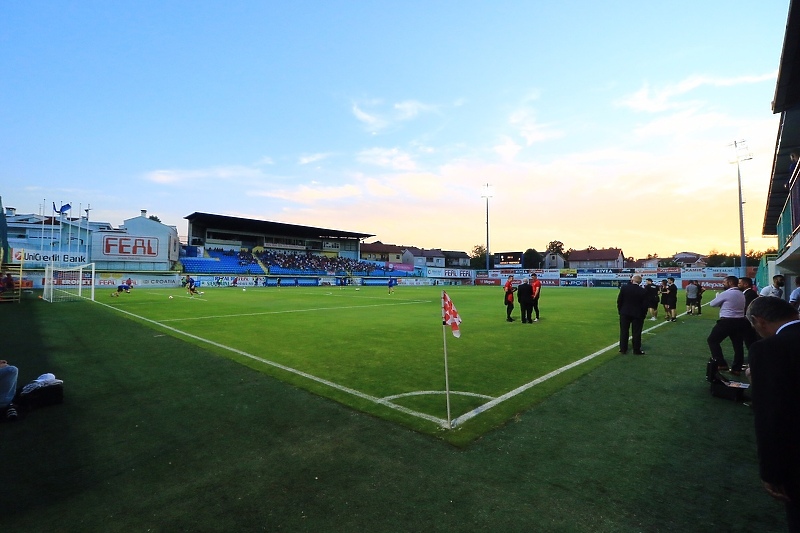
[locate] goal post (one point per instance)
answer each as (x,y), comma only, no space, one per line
(66,284)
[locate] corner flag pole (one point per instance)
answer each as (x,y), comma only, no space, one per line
(446,375)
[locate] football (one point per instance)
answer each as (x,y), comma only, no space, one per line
(243,290)
(170,297)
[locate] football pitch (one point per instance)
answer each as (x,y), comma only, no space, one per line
(384,353)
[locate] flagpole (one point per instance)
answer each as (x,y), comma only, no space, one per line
(446,373)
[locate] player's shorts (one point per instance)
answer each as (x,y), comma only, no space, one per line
(691,301)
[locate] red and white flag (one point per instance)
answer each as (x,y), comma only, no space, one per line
(450,314)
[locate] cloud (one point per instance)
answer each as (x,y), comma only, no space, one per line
(387,157)
(531,130)
(181,176)
(376,116)
(652,100)
(507,149)
(312,158)
(371,121)
(310,194)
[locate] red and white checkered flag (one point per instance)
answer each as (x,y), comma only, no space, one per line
(450,315)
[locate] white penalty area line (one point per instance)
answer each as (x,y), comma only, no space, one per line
(380,401)
(207,317)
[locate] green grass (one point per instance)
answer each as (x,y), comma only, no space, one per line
(367,345)
(162,435)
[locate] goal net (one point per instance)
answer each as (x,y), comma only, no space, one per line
(66,284)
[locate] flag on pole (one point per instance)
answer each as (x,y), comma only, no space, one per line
(450,315)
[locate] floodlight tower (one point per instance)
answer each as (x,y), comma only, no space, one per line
(487,193)
(742,154)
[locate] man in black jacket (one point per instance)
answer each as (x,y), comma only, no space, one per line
(775,375)
(632,308)
(525,299)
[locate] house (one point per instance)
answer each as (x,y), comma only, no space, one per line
(377,251)
(553,260)
(689,259)
(455,259)
(594,258)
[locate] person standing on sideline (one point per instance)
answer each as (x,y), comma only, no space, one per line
(652,298)
(663,290)
(391,285)
(691,297)
(794,298)
(731,324)
(746,286)
(775,372)
(525,299)
(776,289)
(672,291)
(632,308)
(508,297)
(700,291)
(537,291)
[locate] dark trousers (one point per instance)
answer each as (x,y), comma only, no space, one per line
(526,308)
(630,326)
(535,307)
(509,308)
(733,328)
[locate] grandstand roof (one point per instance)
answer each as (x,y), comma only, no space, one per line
(786,101)
(223,222)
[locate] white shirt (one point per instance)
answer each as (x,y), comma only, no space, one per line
(772,290)
(730,302)
(795,297)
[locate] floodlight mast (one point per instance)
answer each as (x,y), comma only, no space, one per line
(742,154)
(487,193)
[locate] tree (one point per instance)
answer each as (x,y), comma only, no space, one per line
(669,262)
(556,247)
(531,259)
(478,257)
(153,217)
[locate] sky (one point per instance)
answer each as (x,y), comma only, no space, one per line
(605,124)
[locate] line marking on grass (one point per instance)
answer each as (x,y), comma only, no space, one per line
(386,401)
(424,392)
(440,421)
(510,394)
(296,311)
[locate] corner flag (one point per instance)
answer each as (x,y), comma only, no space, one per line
(450,315)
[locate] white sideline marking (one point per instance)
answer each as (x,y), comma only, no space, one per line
(423,392)
(386,401)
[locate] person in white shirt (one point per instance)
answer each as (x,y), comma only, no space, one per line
(794,298)
(776,289)
(731,324)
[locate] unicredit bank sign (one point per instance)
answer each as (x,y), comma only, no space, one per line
(129,246)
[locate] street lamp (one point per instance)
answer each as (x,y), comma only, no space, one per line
(742,154)
(487,193)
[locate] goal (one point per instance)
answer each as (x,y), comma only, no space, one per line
(66,284)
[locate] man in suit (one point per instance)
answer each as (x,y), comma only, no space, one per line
(525,299)
(632,308)
(775,376)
